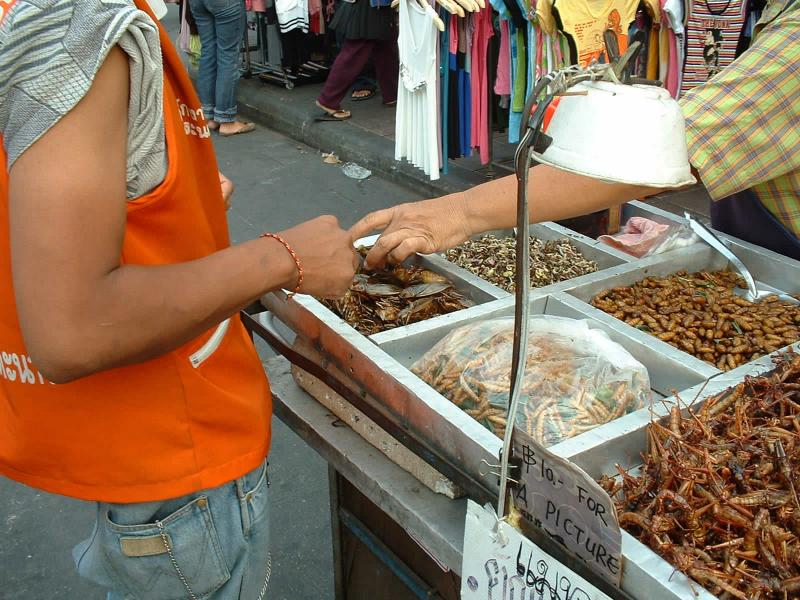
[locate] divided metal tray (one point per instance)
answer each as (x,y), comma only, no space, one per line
(379,366)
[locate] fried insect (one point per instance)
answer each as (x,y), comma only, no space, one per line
(716,494)
(562,397)
(494,259)
(395,296)
(700,314)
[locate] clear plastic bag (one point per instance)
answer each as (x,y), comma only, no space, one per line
(576,378)
(642,237)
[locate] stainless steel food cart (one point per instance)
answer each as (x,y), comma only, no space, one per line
(377,372)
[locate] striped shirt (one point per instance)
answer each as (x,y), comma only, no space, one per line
(50,52)
(713,28)
(743,126)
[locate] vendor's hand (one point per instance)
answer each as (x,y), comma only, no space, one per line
(425,227)
(326,253)
(227,189)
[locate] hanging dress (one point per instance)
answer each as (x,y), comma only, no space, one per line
(417,121)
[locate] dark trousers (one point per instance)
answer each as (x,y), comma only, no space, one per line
(349,64)
(742,215)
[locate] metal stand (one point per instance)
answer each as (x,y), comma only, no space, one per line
(263,68)
(336,536)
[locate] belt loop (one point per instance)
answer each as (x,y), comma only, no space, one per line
(240,493)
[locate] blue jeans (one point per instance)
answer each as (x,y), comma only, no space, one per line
(213,544)
(221,25)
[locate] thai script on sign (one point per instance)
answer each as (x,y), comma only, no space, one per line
(559,496)
(501,564)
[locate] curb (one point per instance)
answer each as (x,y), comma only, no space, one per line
(275,108)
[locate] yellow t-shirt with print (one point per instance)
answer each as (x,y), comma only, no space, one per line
(586,21)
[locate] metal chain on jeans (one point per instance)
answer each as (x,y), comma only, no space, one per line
(186,583)
(266,580)
(172,559)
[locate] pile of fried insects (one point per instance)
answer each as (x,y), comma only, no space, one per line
(701,314)
(494,259)
(717,494)
(383,299)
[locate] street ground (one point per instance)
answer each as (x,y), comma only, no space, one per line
(279,182)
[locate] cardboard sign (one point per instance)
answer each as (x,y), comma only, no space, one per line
(562,499)
(501,564)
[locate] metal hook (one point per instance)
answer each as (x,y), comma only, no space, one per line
(496,473)
(488,464)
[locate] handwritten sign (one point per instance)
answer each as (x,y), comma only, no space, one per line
(501,564)
(562,499)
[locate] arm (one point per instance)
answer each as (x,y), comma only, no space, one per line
(433,225)
(227,187)
(80,310)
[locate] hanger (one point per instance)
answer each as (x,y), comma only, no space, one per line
(452,7)
(449,5)
(437,20)
(469,5)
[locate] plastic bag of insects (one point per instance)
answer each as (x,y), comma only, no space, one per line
(576,378)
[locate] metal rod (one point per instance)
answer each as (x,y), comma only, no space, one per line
(522,282)
(336,535)
(403,572)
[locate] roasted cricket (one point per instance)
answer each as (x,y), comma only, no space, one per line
(717,495)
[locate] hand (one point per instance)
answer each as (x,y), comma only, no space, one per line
(425,227)
(227,189)
(327,255)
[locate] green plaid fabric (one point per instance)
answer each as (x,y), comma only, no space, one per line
(743,126)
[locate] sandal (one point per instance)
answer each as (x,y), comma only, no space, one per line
(335,115)
(245,128)
(363,94)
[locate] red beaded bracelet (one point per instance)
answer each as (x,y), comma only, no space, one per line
(297,263)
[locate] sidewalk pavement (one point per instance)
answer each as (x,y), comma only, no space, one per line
(367,138)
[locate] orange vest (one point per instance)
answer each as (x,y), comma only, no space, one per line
(194,418)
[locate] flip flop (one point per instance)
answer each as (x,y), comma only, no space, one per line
(326,117)
(370,92)
(335,115)
(246,128)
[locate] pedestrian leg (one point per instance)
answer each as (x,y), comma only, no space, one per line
(229,19)
(207,72)
(387,68)
(346,68)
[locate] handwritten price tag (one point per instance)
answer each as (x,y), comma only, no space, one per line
(562,499)
(501,564)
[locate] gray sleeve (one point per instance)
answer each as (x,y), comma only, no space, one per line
(50,51)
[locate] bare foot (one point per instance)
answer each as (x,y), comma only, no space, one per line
(235,127)
(213,125)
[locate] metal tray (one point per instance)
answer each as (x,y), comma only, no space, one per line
(378,366)
(645,574)
(605,256)
(668,371)
(303,307)
(770,270)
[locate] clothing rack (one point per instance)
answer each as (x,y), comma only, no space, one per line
(262,67)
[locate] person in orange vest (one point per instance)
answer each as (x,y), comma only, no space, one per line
(126,377)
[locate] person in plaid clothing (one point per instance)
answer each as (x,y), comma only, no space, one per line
(743,137)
